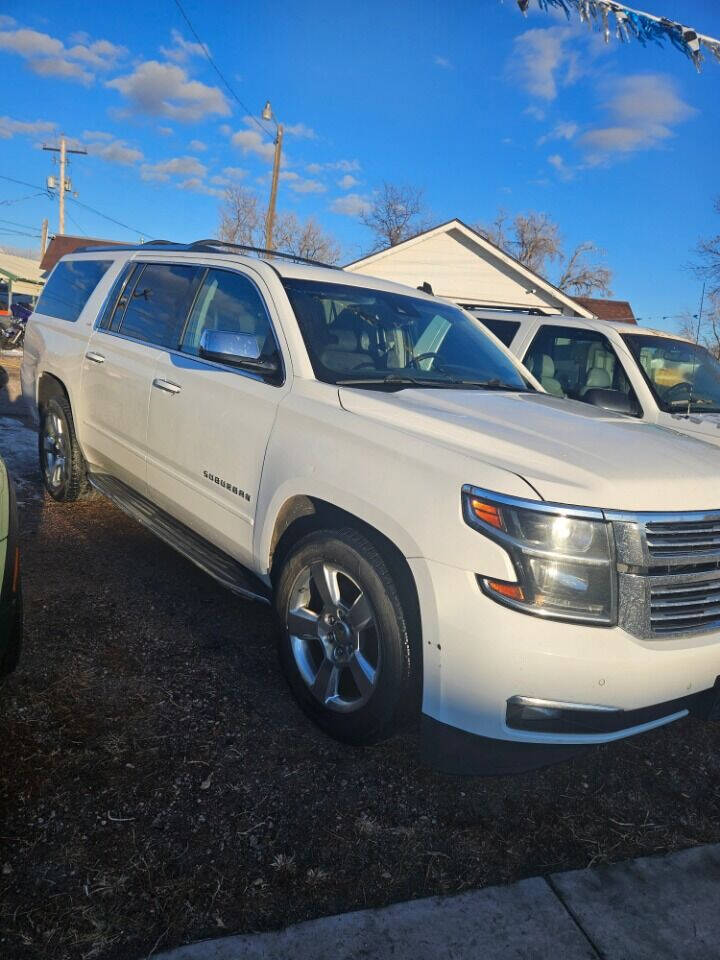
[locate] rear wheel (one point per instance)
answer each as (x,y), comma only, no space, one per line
(62,464)
(344,644)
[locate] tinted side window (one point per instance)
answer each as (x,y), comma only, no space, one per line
(159,303)
(570,361)
(69,288)
(504,330)
(229,302)
(118,298)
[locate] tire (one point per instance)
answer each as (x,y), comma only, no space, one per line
(65,476)
(11,657)
(344,645)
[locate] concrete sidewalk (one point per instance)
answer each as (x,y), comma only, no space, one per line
(654,908)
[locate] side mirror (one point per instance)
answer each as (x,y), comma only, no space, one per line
(614,400)
(238,350)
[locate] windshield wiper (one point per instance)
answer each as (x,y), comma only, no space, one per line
(400,381)
(393,381)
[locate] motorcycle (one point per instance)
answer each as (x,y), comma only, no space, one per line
(12,336)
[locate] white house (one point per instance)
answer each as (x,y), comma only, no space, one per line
(461,265)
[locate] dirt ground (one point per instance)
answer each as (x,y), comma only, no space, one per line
(159,784)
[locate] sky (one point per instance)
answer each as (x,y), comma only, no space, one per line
(481,108)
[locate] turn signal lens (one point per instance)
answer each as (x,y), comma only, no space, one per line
(487,512)
(512,591)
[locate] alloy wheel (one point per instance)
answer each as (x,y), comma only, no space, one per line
(334,636)
(55,451)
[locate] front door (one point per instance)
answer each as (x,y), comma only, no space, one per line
(209,423)
(145,312)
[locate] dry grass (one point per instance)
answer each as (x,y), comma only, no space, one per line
(160,785)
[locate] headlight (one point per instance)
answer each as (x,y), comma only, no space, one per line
(562,556)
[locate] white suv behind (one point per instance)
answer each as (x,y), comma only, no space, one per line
(649,374)
(436,533)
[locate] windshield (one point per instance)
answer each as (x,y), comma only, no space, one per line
(684,377)
(372,338)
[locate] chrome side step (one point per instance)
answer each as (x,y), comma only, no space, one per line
(195,548)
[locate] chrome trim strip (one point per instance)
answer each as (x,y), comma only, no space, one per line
(542,506)
(561,705)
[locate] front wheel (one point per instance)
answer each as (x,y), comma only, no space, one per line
(344,644)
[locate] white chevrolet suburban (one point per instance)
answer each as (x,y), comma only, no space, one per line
(435,531)
(649,374)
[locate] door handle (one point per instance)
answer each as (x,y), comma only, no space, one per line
(95,357)
(167,385)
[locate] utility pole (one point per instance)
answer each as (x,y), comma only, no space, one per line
(43,240)
(267,114)
(64,183)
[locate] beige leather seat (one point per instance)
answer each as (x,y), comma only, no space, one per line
(546,374)
(597,379)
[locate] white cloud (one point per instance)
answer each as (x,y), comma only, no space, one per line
(181,49)
(442,62)
(348,181)
(25,128)
(225,129)
(537,113)
(302,185)
(164,89)
(561,131)
(252,141)
(49,57)
(165,131)
(542,59)
(643,109)
(197,146)
(196,185)
(561,168)
(176,166)
(115,151)
(59,67)
(6,21)
(300,130)
(351,205)
(30,43)
(343,166)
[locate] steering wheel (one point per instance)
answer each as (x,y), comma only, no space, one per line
(413,361)
(682,388)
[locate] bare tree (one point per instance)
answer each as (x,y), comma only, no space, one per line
(707,330)
(535,240)
(582,277)
(305,238)
(709,252)
(242,220)
(396,213)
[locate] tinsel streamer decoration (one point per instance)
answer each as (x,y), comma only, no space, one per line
(633,24)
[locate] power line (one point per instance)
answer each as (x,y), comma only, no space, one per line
(30,196)
(23,183)
(119,223)
(14,223)
(72,219)
(219,72)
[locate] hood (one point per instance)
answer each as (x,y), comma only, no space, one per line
(570,452)
(704,426)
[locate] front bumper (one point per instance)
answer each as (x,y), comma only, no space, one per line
(478,655)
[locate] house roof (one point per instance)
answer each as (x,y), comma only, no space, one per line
(65,243)
(488,246)
(19,268)
(619,311)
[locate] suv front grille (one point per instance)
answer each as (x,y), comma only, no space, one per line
(673,538)
(669,573)
(682,606)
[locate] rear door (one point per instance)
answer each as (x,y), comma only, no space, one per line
(209,423)
(145,312)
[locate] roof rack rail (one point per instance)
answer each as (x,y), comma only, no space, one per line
(211,245)
(246,248)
